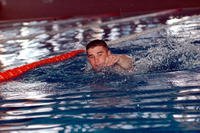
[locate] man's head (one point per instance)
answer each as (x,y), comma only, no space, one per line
(97,53)
(95,43)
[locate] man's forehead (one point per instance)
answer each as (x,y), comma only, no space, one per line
(96,49)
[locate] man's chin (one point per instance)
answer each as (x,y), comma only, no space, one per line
(98,69)
(102,69)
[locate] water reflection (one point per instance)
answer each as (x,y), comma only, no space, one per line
(53,37)
(187,98)
(24,102)
(163,101)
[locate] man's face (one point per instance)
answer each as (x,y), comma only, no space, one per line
(97,57)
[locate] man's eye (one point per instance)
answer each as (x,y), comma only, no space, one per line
(90,56)
(99,54)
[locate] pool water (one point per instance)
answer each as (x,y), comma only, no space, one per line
(163,95)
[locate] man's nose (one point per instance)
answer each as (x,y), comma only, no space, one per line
(96,60)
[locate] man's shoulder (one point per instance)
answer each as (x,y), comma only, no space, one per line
(124,56)
(126,62)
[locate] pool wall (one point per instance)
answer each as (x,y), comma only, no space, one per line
(20,10)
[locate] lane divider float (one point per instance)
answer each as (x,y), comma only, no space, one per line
(15,72)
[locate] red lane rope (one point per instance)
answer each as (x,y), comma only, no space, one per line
(15,72)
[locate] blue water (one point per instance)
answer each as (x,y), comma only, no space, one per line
(162,96)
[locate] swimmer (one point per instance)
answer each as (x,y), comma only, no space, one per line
(100,58)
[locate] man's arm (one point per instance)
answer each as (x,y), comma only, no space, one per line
(126,62)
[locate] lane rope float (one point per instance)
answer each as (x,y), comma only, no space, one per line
(15,72)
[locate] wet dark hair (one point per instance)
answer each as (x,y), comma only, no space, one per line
(95,43)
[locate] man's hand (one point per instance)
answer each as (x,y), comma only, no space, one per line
(111,60)
(124,61)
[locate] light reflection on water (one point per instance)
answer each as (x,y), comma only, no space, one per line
(45,38)
(162,103)
(61,98)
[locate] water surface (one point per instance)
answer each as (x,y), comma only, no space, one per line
(162,96)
